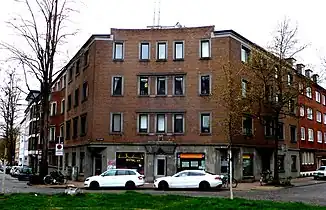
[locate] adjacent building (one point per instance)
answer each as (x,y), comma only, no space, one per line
(147,99)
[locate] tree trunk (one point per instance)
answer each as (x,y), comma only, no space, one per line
(276,172)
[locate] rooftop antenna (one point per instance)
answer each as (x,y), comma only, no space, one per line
(159,13)
(154,16)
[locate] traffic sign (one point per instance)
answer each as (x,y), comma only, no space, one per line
(59,149)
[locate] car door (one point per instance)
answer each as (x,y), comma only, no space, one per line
(108,178)
(121,178)
(180,180)
(194,178)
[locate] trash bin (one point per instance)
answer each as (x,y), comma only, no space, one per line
(75,173)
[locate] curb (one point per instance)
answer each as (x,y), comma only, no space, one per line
(304,185)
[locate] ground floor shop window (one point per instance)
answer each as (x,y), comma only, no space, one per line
(190,161)
(224,162)
(294,163)
(248,165)
(130,160)
(280,163)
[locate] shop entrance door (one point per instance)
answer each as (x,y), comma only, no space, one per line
(160,165)
(97,164)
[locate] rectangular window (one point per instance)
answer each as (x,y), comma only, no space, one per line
(68,129)
(205,123)
(317,96)
(144,51)
(81,162)
(205,85)
(294,163)
(303,133)
(161,85)
(280,163)
(143,86)
(178,85)
(77,67)
(116,122)
(301,111)
(309,113)
(293,134)
(281,131)
(53,109)
(70,73)
(308,92)
(118,51)
(160,123)
(324,137)
(290,79)
(143,123)
(63,81)
(310,134)
(244,85)
(161,51)
(178,50)
(117,86)
(75,127)
(291,106)
(319,137)
(52,133)
(324,119)
(85,91)
(86,58)
(205,49)
(76,97)
(83,125)
(69,102)
(301,89)
(245,53)
(178,123)
(269,127)
(318,116)
(323,99)
(62,106)
(247,126)
(61,131)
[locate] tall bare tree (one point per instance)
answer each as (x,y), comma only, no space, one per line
(9,112)
(43,29)
(275,81)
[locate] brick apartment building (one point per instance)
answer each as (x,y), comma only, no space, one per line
(312,104)
(146,99)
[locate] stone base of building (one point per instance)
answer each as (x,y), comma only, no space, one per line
(165,159)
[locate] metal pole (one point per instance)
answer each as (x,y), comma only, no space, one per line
(230,173)
(4,173)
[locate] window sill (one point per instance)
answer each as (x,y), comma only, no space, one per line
(205,58)
(161,60)
(160,95)
(143,95)
(77,74)
(144,60)
(142,134)
(178,59)
(116,95)
(248,135)
(205,134)
(181,95)
(206,94)
(116,133)
(118,60)
(86,66)
(84,100)
(178,134)
(69,81)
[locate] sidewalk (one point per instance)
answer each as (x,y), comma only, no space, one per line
(298,182)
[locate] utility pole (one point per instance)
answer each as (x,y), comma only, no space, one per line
(4,173)
(230,172)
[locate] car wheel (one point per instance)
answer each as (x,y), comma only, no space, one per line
(204,185)
(94,185)
(163,185)
(130,185)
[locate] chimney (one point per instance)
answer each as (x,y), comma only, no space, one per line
(315,78)
(291,61)
(308,73)
(300,68)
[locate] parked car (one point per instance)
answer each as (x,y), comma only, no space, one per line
(15,171)
(320,173)
(8,169)
(128,178)
(24,174)
(189,179)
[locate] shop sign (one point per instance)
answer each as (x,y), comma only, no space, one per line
(191,156)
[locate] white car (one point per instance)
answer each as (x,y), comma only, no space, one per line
(128,178)
(189,179)
(320,173)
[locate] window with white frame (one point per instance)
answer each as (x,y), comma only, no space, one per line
(62,106)
(160,123)
(301,111)
(318,116)
(161,86)
(63,81)
(143,122)
(118,50)
(178,85)
(62,131)
(205,51)
(52,134)
(161,51)
(178,50)
(244,86)
(205,85)
(301,88)
(144,86)
(205,123)
(116,122)
(319,137)
(324,137)
(245,53)
(309,113)
(303,133)
(290,79)
(178,123)
(53,110)
(317,96)
(323,99)
(144,51)
(310,134)
(308,92)
(324,118)
(117,86)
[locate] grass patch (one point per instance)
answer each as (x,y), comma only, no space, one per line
(133,200)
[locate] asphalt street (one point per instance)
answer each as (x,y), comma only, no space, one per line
(314,194)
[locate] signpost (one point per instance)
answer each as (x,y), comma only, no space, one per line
(59,152)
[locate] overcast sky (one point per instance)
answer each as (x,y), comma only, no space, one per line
(254,19)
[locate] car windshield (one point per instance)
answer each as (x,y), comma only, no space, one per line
(322,168)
